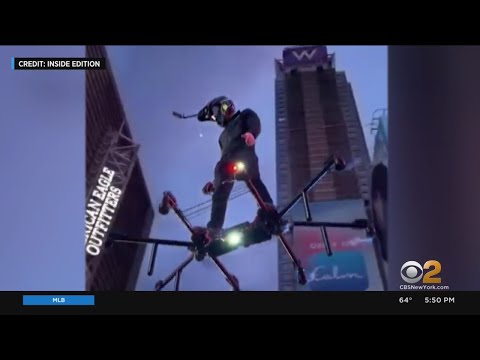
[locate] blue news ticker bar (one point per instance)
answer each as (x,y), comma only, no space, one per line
(13,63)
(58,300)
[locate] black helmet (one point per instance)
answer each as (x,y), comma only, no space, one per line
(221,109)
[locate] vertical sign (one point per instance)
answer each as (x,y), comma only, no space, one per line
(100,212)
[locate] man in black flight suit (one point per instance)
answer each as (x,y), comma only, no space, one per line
(237,144)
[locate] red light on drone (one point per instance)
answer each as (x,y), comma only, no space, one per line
(237,167)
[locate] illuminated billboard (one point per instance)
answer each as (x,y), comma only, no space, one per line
(101,209)
(353,266)
(105,194)
(345,270)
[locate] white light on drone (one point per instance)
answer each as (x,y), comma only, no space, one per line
(234,238)
(240,166)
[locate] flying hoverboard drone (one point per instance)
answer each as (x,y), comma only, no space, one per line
(268,223)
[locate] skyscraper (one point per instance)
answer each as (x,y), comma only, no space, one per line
(110,146)
(316,117)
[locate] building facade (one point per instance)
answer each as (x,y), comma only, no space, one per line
(316,117)
(116,267)
(379,179)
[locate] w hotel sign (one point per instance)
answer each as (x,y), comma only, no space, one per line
(305,55)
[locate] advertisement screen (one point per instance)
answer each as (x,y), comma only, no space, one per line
(353,265)
(345,270)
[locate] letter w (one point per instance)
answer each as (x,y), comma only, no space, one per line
(305,53)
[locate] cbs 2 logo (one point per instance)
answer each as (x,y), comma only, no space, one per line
(412,272)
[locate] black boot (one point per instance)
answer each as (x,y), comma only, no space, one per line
(270,219)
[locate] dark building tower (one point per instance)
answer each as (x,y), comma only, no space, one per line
(316,117)
(112,163)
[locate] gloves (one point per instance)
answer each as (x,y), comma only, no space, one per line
(249,139)
(209,188)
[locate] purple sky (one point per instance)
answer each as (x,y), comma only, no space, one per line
(153,81)
(42,181)
(42,122)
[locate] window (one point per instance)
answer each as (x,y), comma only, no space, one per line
(286,268)
(284,195)
(365,192)
(283,187)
